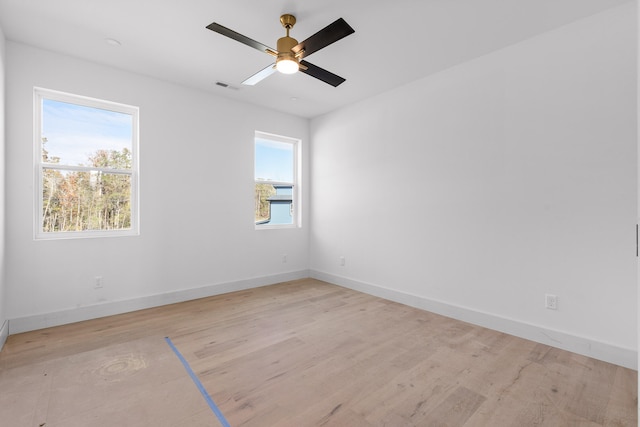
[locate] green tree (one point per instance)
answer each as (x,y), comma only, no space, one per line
(88,200)
(262,205)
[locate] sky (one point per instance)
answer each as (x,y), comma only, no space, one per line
(274,160)
(74,132)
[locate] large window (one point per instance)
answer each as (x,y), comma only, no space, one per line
(86,157)
(277,192)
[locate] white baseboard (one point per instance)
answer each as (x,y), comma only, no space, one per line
(588,347)
(626,357)
(46,320)
(4,333)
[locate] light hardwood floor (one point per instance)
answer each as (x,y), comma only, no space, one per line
(303,353)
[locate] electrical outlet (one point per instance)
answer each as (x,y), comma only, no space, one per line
(551,301)
(342,261)
(284,258)
(98,282)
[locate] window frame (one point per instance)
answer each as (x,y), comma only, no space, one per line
(295,191)
(39,94)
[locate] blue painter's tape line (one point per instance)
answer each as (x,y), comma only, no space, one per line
(198,384)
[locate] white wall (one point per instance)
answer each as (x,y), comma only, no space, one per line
(475,191)
(196,185)
(4,328)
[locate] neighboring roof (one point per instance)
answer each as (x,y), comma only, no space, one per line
(280,198)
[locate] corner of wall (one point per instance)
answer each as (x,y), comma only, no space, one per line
(4,332)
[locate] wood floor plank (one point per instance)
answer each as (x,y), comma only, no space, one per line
(620,399)
(303,353)
(455,410)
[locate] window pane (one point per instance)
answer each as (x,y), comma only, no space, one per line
(78,201)
(77,135)
(274,161)
(276,187)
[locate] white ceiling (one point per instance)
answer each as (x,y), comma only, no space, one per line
(395,42)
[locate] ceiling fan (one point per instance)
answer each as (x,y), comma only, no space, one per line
(290,53)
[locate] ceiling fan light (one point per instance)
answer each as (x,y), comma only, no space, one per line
(287,66)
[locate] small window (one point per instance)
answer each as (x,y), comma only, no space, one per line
(86,166)
(277,192)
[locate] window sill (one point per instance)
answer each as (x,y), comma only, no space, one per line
(65,235)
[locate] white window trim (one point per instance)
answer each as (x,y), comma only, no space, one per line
(296,190)
(39,94)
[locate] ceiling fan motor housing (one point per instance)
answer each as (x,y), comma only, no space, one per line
(284,48)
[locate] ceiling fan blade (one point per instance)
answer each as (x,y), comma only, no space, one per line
(323,38)
(321,74)
(260,75)
(238,37)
